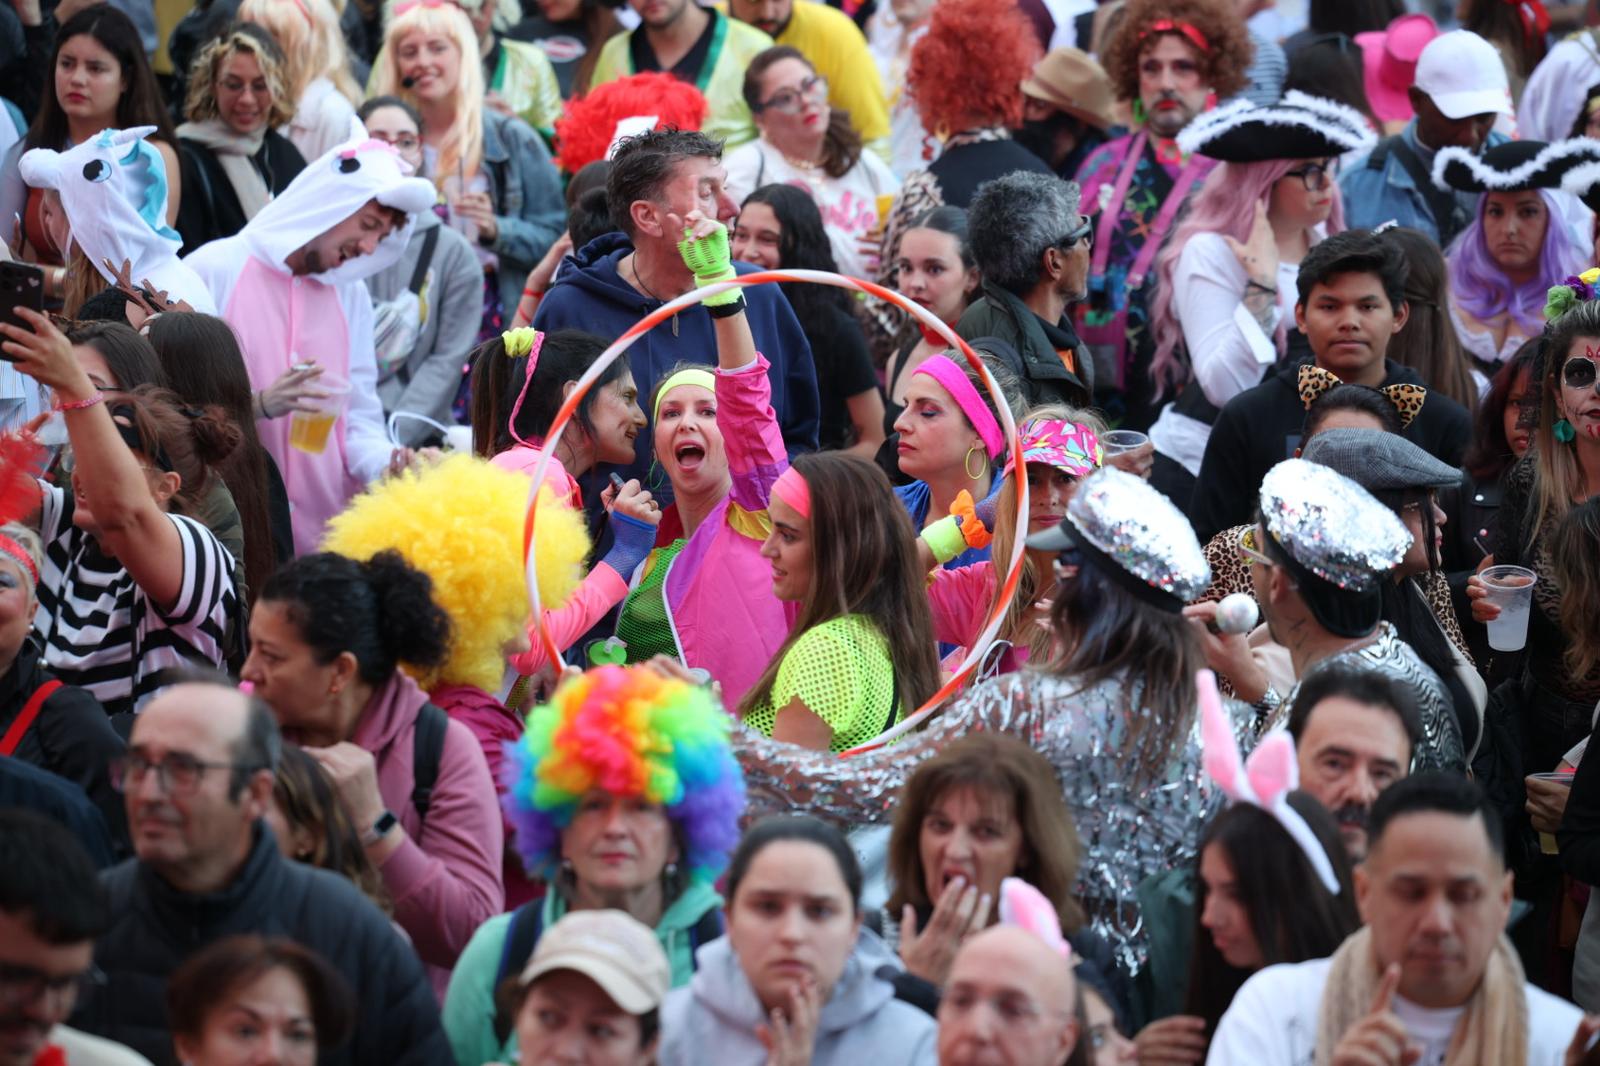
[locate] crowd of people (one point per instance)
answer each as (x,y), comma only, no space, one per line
(1194,663)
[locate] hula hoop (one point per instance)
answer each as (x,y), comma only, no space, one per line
(980,646)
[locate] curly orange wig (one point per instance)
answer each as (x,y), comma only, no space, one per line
(966,71)
(584,131)
(1217,20)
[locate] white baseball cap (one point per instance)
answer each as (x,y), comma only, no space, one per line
(1464,76)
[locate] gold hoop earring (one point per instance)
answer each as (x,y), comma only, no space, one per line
(966,464)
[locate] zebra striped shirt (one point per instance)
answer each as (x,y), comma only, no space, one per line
(101,631)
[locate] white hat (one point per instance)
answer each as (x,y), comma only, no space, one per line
(1463,75)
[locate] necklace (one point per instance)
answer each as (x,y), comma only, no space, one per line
(633,264)
(798,164)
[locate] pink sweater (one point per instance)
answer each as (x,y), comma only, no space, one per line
(445,877)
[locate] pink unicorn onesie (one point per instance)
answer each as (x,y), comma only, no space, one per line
(290,284)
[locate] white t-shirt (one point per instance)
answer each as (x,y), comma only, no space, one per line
(849,204)
(1273,1019)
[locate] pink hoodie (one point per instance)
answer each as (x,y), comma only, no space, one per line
(445,877)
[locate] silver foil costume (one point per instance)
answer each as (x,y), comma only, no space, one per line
(1441,747)
(1129,830)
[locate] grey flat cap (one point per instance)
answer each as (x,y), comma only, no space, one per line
(1377,461)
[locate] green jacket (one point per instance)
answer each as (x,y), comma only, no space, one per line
(469,1005)
(1045,377)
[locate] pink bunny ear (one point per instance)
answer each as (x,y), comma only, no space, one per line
(1026,907)
(1272,768)
(1220,748)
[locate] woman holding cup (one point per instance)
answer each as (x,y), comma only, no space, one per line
(1561,472)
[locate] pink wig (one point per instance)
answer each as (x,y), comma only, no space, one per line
(1225,204)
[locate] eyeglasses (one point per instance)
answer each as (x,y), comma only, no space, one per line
(1083,231)
(1578,372)
(792,101)
(179,773)
(1248,550)
(406,142)
(1314,177)
(23,985)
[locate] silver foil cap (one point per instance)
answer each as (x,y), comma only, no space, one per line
(1332,526)
(1141,531)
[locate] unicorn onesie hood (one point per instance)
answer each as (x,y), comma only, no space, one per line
(114,189)
(283,318)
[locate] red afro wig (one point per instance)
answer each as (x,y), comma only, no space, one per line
(585,129)
(966,71)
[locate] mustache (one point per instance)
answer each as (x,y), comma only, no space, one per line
(1352,815)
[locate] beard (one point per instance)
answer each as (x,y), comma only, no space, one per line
(1043,137)
(1167,121)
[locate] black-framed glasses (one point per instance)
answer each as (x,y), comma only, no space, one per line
(1313,176)
(405,142)
(1578,372)
(793,101)
(179,773)
(1083,231)
(23,985)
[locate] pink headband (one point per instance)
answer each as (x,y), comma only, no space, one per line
(944,370)
(792,489)
(533,340)
(14,551)
(1195,37)
(407,5)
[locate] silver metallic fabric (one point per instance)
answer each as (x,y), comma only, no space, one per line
(1332,526)
(1130,829)
(1139,528)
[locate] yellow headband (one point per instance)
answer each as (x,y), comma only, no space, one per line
(690,376)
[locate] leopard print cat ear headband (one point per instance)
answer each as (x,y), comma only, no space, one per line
(1406,398)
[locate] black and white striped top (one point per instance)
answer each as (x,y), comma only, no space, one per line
(101,631)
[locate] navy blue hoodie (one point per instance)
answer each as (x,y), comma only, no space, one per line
(589,294)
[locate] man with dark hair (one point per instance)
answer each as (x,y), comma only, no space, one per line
(1431,974)
(1031,244)
(656,180)
(52,907)
(1351,301)
(1318,554)
(1354,731)
(198,780)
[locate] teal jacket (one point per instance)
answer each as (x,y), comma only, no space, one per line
(469,1005)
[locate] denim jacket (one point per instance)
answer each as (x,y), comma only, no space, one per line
(526,192)
(1375,195)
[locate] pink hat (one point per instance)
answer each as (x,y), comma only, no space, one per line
(1389,61)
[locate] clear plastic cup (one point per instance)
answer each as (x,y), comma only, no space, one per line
(1120,441)
(309,430)
(1547,841)
(1509,588)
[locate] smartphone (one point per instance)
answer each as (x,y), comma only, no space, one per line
(21,285)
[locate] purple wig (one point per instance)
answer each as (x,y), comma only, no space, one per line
(1481,289)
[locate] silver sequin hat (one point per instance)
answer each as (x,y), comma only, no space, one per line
(1138,528)
(1330,525)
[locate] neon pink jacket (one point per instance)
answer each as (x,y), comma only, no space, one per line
(718,589)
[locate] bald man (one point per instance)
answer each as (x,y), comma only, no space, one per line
(198,781)
(1010,1001)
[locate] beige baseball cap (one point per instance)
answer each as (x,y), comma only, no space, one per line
(1070,80)
(613,949)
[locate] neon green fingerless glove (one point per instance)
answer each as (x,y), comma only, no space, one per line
(944,538)
(709,259)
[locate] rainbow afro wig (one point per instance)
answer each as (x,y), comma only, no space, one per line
(460,522)
(585,130)
(628,731)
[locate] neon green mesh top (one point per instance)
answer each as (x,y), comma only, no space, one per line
(842,671)
(643,623)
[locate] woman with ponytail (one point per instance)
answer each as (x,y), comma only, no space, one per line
(134,585)
(327,639)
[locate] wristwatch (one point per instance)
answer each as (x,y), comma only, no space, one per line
(379,829)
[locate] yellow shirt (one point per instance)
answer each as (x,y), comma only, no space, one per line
(830,40)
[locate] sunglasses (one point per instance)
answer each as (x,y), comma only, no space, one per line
(1083,231)
(1578,372)
(1248,550)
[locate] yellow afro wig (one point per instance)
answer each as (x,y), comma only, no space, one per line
(460,521)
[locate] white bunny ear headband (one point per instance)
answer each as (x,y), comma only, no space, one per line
(1264,781)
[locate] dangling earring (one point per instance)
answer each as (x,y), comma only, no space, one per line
(966,464)
(1564,432)
(669,872)
(942,131)
(1138,112)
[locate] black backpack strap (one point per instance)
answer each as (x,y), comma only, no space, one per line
(527,922)
(1442,205)
(707,929)
(430,241)
(428,749)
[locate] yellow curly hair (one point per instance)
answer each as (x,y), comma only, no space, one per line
(460,521)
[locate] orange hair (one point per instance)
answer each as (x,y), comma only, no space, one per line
(585,129)
(966,71)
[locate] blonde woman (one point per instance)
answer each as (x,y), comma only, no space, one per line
(492,170)
(234,159)
(320,89)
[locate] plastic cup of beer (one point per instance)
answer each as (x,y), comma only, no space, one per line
(1120,441)
(309,430)
(1509,588)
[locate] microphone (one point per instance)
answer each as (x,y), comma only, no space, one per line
(407,82)
(1237,613)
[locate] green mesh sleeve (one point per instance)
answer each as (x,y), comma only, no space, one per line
(840,670)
